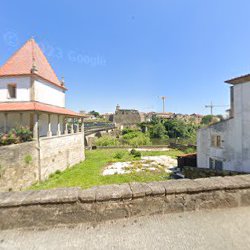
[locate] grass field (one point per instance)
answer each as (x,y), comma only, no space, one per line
(89,172)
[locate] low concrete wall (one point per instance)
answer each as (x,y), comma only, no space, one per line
(74,205)
(24,164)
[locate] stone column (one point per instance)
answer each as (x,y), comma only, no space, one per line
(66,126)
(72,126)
(5,122)
(36,126)
(82,126)
(77,128)
(58,125)
(49,133)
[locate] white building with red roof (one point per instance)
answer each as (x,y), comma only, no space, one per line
(32,96)
(226,145)
(30,91)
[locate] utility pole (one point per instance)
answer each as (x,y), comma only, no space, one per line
(163,103)
(212,106)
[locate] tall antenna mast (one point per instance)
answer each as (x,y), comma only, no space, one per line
(163,103)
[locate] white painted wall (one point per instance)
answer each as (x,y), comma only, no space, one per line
(23,89)
(14,120)
(49,93)
(43,124)
(44,92)
(235,133)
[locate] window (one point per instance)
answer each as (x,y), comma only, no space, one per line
(11,90)
(215,164)
(216,141)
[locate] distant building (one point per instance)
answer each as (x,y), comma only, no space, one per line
(226,145)
(124,118)
(108,116)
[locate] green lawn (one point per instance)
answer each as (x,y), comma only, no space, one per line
(89,172)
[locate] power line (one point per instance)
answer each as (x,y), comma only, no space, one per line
(212,106)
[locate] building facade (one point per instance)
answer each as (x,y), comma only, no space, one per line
(126,118)
(32,96)
(226,144)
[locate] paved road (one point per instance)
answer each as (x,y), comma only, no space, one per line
(217,229)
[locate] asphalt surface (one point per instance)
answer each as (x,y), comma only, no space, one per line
(216,229)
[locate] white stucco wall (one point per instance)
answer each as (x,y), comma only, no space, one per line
(14,120)
(43,124)
(49,93)
(235,135)
(23,89)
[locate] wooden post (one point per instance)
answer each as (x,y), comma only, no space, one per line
(49,133)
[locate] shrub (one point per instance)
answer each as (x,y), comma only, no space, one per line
(135,153)
(128,131)
(107,140)
(136,138)
(24,134)
(58,171)
(190,150)
(119,154)
(15,136)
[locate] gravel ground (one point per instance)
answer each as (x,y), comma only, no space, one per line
(151,163)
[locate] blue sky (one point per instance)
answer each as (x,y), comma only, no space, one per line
(132,51)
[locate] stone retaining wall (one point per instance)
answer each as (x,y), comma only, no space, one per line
(18,166)
(74,205)
(26,163)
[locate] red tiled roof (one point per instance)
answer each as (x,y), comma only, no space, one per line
(22,61)
(240,79)
(36,106)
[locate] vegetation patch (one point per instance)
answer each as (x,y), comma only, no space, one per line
(16,135)
(28,159)
(89,173)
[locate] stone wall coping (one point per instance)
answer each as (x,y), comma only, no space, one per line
(126,191)
(16,145)
(59,136)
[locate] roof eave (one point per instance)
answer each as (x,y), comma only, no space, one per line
(238,80)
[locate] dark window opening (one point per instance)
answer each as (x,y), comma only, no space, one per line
(12,90)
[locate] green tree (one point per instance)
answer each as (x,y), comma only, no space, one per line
(107,140)
(94,113)
(158,131)
(210,119)
(207,119)
(136,138)
(177,128)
